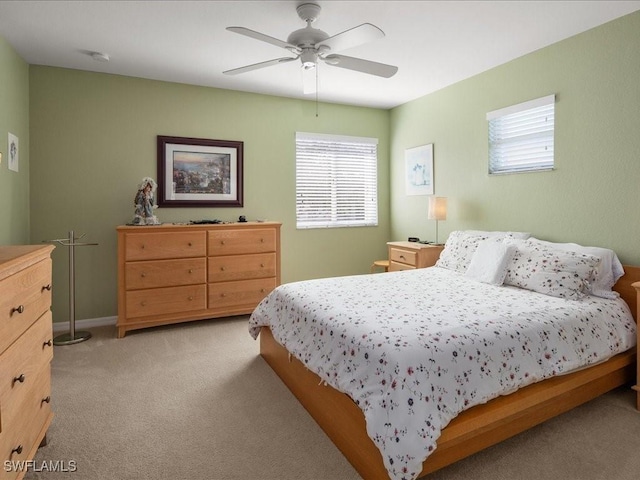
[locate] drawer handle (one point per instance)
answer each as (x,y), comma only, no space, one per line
(47,287)
(142,246)
(19,309)
(143,274)
(17,450)
(190,244)
(48,343)
(223,294)
(143,303)
(46,399)
(262,240)
(190,298)
(222,269)
(402,257)
(191,270)
(262,265)
(20,378)
(221,242)
(262,290)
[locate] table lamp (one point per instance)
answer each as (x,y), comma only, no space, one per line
(437,211)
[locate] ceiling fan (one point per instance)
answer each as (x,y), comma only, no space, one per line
(311,45)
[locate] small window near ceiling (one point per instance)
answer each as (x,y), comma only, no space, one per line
(521,137)
(336,181)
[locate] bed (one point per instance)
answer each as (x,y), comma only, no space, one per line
(408,372)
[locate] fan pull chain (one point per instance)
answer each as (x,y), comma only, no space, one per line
(317,67)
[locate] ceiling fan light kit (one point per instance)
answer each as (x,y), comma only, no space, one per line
(310,45)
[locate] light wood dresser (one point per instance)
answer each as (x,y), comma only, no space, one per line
(26,350)
(176,273)
(410,255)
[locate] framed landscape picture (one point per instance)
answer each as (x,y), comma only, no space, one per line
(197,172)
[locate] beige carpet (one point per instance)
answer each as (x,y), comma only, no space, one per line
(196,402)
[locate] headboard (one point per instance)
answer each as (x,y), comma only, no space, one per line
(626,291)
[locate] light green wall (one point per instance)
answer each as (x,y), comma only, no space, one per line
(592,195)
(14,118)
(93,139)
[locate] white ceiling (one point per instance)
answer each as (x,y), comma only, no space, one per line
(434,43)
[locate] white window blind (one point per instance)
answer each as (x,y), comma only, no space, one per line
(336,181)
(521,137)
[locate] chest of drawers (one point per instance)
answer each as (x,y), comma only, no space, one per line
(177,273)
(26,350)
(410,255)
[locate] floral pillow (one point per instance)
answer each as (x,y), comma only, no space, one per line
(458,250)
(543,269)
(605,274)
(462,244)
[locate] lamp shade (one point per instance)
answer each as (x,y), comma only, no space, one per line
(437,208)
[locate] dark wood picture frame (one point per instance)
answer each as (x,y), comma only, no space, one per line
(198,172)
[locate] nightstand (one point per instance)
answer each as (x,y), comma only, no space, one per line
(411,255)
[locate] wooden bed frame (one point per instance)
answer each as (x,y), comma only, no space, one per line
(472,430)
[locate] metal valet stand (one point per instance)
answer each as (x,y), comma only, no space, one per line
(73,336)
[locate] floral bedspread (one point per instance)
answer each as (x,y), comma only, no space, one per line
(415,348)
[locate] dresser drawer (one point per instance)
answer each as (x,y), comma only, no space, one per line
(235,242)
(399,255)
(22,363)
(244,292)
(241,267)
(158,301)
(160,245)
(165,273)
(24,297)
(22,433)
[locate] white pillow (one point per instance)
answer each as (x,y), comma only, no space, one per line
(606,273)
(490,261)
(544,269)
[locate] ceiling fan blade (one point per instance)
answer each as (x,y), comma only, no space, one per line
(309,80)
(353,37)
(256,66)
(265,38)
(361,65)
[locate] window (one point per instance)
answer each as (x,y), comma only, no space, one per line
(336,181)
(521,137)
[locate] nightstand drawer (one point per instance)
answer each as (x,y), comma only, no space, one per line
(397,266)
(410,255)
(399,255)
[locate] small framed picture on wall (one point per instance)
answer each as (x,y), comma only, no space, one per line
(13,146)
(419,170)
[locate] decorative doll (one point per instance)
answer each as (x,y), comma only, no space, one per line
(145,203)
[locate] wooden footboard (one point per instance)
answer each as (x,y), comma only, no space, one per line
(470,432)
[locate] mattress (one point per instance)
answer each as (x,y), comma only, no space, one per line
(415,348)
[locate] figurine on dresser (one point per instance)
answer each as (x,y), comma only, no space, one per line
(145,203)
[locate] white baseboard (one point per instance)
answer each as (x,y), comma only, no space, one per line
(83,324)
